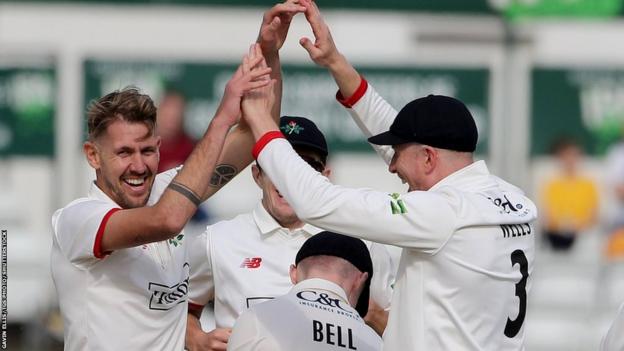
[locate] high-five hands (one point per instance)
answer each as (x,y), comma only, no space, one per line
(275,25)
(253,73)
(323,51)
(258,102)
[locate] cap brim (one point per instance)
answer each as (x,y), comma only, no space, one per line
(387,138)
(309,145)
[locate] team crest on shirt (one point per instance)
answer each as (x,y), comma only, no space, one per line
(397,206)
(292,127)
(177,240)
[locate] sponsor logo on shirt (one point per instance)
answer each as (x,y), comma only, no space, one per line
(506,205)
(251,262)
(165,297)
(397,206)
(323,301)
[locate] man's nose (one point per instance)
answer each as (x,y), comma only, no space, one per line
(138,164)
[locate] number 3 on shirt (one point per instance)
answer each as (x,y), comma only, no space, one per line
(513,327)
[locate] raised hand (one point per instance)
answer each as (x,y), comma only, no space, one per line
(251,74)
(258,103)
(323,51)
(275,24)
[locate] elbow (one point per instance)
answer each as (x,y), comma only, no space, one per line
(170,222)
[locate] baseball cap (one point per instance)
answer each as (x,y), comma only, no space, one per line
(300,131)
(435,120)
(351,249)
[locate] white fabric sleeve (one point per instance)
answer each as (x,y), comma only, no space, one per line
(383,276)
(201,281)
(417,220)
(161,183)
(374,115)
(78,229)
(614,340)
(246,335)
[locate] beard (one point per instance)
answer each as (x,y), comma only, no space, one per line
(126,202)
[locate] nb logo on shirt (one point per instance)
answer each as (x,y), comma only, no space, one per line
(251,262)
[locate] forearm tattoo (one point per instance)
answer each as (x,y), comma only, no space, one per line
(186,192)
(222,175)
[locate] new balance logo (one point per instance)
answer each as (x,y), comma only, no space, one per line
(251,262)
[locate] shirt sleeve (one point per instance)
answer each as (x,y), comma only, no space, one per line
(201,281)
(161,183)
(418,220)
(247,335)
(383,276)
(372,114)
(79,229)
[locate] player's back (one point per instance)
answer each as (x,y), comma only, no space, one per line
(314,315)
(470,294)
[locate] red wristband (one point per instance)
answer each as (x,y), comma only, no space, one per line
(357,95)
(264,140)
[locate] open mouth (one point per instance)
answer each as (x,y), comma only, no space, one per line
(134,182)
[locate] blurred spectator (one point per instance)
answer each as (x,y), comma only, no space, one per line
(615,179)
(176,145)
(569,199)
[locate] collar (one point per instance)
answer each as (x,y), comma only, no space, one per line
(96,193)
(322,284)
(467,177)
(267,224)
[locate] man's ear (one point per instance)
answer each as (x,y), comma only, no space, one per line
(255,172)
(431,159)
(362,280)
(326,172)
(92,153)
(293,274)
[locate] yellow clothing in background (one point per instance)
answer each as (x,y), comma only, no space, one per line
(569,203)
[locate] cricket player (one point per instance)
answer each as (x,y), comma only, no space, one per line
(332,273)
(119,257)
(241,262)
(467,238)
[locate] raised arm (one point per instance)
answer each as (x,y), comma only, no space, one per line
(370,112)
(271,37)
(133,227)
(325,53)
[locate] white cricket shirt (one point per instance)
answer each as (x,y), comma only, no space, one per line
(314,315)
(468,246)
(132,299)
(245,261)
(614,340)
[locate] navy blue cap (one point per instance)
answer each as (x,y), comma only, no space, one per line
(300,131)
(436,120)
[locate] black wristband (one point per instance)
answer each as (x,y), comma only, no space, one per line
(186,192)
